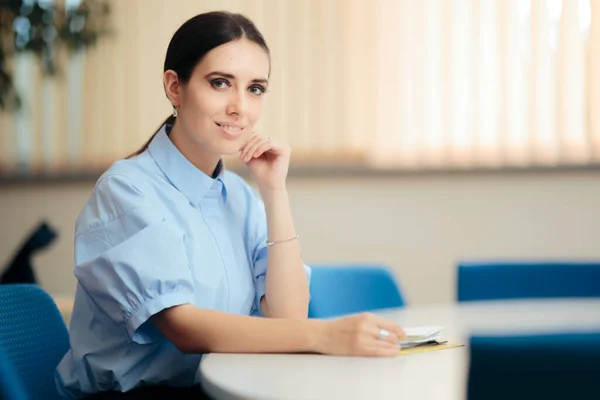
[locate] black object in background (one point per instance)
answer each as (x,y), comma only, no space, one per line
(20,269)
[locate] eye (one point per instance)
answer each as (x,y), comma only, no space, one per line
(257,90)
(220,83)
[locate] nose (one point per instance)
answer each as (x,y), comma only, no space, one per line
(237,103)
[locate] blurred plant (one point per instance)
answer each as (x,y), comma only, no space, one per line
(41,27)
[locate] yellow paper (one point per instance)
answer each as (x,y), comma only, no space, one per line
(423,349)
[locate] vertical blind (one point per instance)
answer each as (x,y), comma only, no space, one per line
(433,84)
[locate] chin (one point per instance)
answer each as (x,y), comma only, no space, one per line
(229,149)
(229,153)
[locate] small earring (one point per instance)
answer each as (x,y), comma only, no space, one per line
(175,112)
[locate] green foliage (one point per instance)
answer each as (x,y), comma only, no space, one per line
(40,27)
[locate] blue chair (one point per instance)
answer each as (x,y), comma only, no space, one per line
(556,366)
(10,385)
(522,280)
(34,337)
(340,290)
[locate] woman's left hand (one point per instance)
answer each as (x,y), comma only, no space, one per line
(267,160)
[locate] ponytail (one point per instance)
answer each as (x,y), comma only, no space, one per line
(170,120)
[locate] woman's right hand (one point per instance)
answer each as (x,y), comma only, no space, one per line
(358,335)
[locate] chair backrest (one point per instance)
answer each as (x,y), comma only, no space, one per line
(556,366)
(10,385)
(521,280)
(340,290)
(34,337)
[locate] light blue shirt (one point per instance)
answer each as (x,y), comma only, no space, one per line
(157,232)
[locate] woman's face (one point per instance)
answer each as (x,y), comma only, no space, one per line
(223,99)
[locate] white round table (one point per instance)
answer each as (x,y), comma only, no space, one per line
(433,375)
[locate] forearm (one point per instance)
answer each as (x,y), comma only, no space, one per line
(286,287)
(195,330)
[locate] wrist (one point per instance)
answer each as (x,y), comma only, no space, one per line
(268,193)
(315,331)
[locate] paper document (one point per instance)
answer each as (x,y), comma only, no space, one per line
(423,339)
(419,335)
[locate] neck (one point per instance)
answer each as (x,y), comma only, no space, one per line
(201,157)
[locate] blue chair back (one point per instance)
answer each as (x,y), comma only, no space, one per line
(10,385)
(522,280)
(341,290)
(34,337)
(556,366)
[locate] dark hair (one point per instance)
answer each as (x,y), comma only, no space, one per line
(199,35)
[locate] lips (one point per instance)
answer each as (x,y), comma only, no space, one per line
(233,128)
(230,130)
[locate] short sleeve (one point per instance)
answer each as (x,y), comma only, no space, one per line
(130,260)
(260,254)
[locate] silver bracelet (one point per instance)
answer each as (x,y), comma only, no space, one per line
(269,244)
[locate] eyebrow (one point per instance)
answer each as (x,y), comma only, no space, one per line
(230,76)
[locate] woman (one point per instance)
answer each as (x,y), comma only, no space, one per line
(176,257)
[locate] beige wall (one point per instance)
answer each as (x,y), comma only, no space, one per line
(420,225)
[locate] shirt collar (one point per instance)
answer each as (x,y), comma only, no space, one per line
(187,178)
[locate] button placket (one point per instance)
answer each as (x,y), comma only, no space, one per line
(211,210)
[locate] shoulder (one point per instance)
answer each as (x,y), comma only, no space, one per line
(124,182)
(136,169)
(124,187)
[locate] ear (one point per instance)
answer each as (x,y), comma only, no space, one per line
(172,87)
